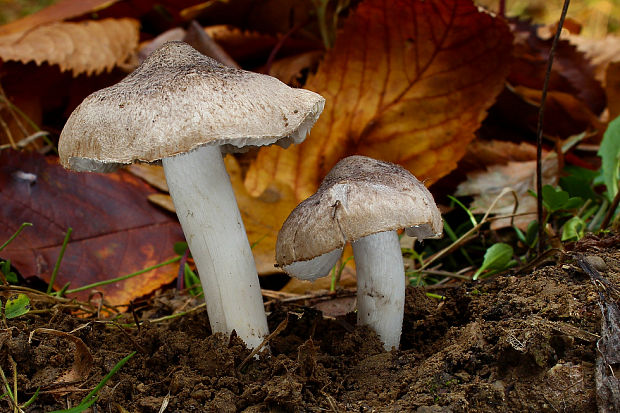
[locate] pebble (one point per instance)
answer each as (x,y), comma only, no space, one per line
(596,262)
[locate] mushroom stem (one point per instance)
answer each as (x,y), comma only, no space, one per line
(207,209)
(380,285)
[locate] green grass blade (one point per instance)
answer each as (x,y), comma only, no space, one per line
(20,229)
(59,260)
(123,277)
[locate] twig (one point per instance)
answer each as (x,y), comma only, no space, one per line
(471,233)
(26,141)
(280,43)
(445,274)
(539,129)
(610,211)
(201,41)
(278,295)
(254,352)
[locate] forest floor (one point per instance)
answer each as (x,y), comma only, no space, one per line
(513,343)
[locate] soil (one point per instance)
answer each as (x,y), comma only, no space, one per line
(514,343)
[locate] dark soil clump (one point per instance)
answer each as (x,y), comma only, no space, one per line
(515,343)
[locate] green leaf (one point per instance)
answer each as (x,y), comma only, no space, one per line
(531,234)
(180,247)
(497,257)
(609,152)
(192,282)
(573,229)
(572,203)
(5,268)
(578,182)
(554,199)
(16,306)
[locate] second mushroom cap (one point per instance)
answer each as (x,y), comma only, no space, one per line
(360,196)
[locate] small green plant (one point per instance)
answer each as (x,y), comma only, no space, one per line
(497,258)
(9,275)
(16,306)
(5,265)
(609,152)
(337,273)
(192,281)
(190,278)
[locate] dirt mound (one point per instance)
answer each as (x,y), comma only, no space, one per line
(514,343)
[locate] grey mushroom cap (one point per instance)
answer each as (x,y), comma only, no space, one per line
(178,100)
(360,196)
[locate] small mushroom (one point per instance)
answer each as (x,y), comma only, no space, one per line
(363,201)
(184,109)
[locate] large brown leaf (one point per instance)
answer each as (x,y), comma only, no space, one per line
(115,229)
(86,47)
(407,81)
(59,11)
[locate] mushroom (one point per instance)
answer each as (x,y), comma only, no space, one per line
(363,201)
(185,109)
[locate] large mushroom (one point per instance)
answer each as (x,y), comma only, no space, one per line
(363,201)
(185,109)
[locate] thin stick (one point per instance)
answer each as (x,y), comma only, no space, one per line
(26,141)
(471,233)
(254,352)
(539,129)
(279,45)
(610,211)
(59,260)
(199,39)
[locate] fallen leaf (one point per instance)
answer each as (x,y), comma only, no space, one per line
(82,359)
(152,174)
(407,81)
(600,52)
(483,153)
(565,114)
(572,72)
(61,10)
(266,16)
(486,185)
(290,69)
(115,230)
(253,46)
(85,47)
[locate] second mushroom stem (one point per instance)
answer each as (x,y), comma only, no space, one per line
(380,285)
(207,209)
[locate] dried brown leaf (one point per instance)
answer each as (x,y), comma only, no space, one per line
(86,47)
(115,230)
(486,185)
(407,82)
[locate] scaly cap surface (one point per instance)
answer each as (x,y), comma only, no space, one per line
(179,100)
(358,197)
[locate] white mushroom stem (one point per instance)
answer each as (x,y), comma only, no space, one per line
(380,285)
(207,209)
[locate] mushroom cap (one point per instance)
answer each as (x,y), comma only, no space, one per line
(178,100)
(360,196)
